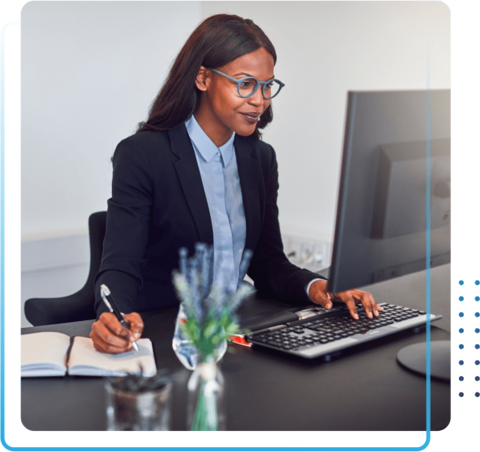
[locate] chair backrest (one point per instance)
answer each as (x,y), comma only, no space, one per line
(97,223)
(80,305)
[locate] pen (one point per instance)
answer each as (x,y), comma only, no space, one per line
(108,300)
(266,330)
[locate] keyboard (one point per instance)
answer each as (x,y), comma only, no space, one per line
(319,332)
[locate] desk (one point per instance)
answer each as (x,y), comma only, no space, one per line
(365,389)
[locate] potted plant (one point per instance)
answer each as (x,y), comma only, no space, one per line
(207,318)
(136,402)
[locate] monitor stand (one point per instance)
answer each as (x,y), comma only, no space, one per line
(413,357)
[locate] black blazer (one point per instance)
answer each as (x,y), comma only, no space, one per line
(158,205)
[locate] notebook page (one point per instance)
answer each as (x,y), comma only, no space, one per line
(85,360)
(43,354)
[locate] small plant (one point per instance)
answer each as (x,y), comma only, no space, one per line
(210,318)
(211,310)
(137,402)
(136,382)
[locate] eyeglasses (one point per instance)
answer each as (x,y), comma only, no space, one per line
(248,86)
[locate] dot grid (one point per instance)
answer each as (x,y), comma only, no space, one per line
(466,344)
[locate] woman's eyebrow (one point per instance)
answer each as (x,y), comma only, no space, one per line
(250,75)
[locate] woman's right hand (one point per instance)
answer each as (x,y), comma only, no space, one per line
(110,336)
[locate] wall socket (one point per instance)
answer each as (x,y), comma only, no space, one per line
(314,255)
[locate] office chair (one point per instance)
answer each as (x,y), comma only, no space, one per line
(78,306)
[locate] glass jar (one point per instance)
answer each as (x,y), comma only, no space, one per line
(184,348)
(138,410)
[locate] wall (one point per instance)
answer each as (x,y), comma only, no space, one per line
(90,71)
(324,50)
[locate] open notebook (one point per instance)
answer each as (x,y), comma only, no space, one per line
(45,355)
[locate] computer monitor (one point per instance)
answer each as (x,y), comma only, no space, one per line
(396,142)
(396,155)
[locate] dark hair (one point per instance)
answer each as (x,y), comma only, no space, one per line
(214,43)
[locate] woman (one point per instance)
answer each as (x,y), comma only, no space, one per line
(197,171)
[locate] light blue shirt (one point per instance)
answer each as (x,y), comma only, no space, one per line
(219,173)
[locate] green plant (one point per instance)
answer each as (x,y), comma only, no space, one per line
(211,310)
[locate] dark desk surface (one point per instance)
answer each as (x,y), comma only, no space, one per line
(365,389)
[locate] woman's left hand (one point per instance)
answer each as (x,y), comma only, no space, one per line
(319,295)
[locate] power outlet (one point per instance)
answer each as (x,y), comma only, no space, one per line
(313,255)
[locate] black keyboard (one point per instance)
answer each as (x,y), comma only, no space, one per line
(330,332)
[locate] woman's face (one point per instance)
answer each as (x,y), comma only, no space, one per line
(222,110)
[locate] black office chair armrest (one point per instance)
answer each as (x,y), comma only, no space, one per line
(78,306)
(73,308)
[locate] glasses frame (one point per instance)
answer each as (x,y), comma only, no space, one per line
(259,83)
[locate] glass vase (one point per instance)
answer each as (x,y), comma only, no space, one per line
(184,348)
(206,402)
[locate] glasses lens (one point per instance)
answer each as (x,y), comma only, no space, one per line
(271,89)
(247,87)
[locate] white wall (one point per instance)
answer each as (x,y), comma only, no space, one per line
(90,71)
(325,49)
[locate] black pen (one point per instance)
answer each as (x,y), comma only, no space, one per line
(108,300)
(265,330)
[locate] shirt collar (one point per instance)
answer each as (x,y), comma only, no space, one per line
(205,145)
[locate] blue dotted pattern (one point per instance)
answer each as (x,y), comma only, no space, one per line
(467,326)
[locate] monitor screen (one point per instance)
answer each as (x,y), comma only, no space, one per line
(396,155)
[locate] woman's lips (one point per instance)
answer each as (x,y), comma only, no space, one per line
(251,118)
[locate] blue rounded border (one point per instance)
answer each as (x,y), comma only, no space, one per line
(425,445)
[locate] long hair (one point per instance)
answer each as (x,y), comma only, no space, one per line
(214,43)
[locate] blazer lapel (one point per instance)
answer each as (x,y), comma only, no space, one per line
(249,174)
(191,182)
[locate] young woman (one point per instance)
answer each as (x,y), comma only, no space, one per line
(197,171)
